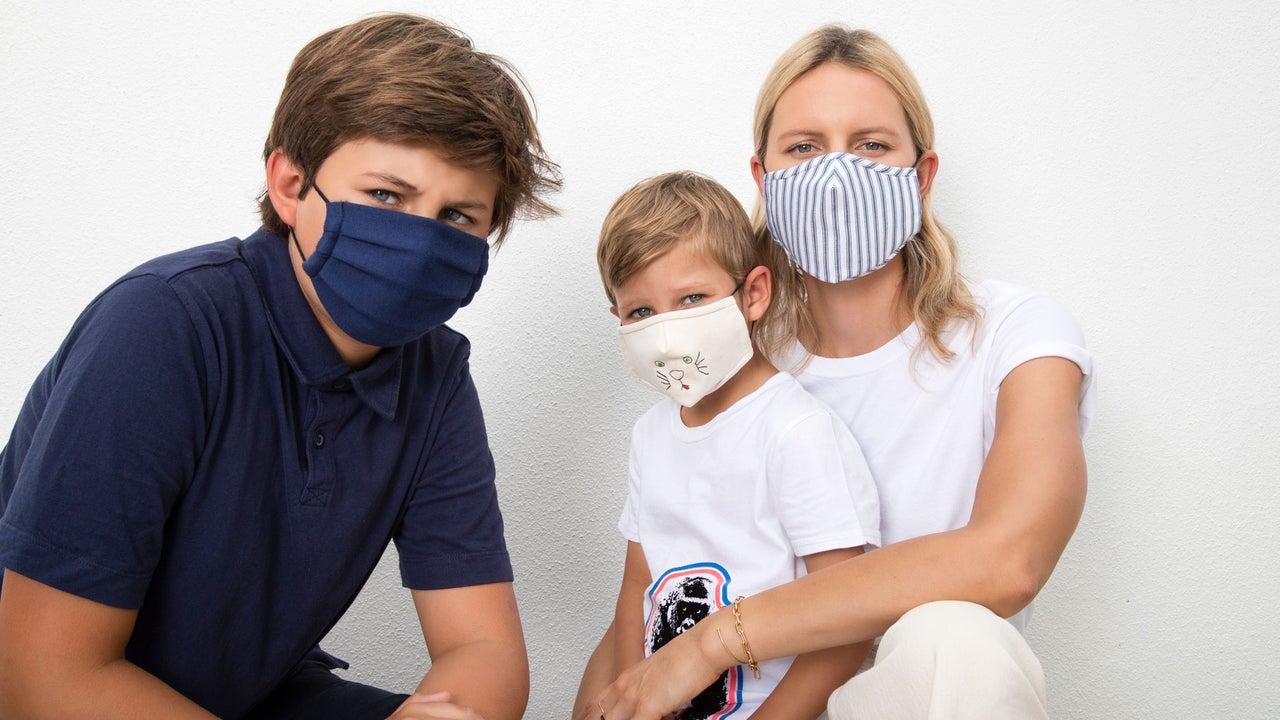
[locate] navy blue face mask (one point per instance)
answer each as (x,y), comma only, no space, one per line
(388,277)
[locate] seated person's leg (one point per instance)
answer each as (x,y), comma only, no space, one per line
(946,659)
(313,692)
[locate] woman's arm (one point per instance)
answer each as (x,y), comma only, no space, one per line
(1029,498)
(813,676)
(62,656)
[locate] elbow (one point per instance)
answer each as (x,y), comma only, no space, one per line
(15,693)
(1015,583)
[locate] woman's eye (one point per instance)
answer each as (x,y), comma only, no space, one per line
(803,148)
(871,148)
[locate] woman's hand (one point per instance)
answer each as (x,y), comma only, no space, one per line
(666,680)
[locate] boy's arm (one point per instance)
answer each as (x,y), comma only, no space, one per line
(62,655)
(812,677)
(623,643)
(476,643)
(628,616)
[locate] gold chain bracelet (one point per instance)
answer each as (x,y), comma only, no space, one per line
(742,636)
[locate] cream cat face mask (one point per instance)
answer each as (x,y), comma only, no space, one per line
(688,354)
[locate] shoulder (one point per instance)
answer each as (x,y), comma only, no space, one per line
(167,283)
(1019,325)
(164,284)
(174,266)
(657,418)
(798,419)
(444,345)
(1007,305)
(785,401)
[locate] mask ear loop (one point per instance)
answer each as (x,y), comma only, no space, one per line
(294,235)
(751,326)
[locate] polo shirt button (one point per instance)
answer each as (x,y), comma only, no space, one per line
(341,385)
(318,440)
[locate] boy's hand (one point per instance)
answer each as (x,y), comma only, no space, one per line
(435,706)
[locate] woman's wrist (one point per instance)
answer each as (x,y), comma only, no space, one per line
(717,640)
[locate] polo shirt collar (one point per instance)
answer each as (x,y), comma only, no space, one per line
(298,333)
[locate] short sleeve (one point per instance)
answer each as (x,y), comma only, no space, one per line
(105,444)
(629,520)
(1035,327)
(821,486)
(452,531)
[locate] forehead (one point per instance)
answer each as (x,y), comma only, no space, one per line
(423,167)
(834,95)
(686,264)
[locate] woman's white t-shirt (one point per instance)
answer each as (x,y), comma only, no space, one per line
(924,426)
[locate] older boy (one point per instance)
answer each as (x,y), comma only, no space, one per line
(207,471)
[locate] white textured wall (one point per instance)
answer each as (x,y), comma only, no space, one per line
(1119,155)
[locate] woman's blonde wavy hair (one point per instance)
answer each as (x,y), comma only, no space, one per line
(935,290)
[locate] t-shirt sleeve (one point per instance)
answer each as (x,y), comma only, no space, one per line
(452,531)
(1039,326)
(629,520)
(821,486)
(104,445)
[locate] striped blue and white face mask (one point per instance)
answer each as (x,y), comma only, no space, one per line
(840,216)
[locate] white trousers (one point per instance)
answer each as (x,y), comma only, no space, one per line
(946,660)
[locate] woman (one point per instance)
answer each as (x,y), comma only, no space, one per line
(969,402)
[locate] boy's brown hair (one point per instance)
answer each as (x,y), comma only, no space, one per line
(407,79)
(649,219)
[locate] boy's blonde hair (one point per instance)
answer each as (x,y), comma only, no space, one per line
(648,220)
(935,290)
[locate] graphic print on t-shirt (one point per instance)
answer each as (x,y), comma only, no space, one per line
(678,600)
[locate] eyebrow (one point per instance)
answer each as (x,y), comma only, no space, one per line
(873,130)
(479,205)
(408,187)
(393,180)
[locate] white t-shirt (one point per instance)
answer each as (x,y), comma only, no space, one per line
(924,426)
(730,507)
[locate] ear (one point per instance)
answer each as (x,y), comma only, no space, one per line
(614,309)
(757,172)
(284,183)
(757,290)
(926,168)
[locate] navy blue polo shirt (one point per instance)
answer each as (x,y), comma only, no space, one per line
(198,450)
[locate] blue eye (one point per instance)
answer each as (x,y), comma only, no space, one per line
(643,312)
(450,215)
(384,197)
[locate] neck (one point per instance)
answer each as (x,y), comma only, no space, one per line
(755,373)
(857,316)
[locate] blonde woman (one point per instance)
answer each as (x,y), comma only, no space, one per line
(970,402)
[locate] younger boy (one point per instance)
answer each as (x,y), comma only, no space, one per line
(207,471)
(739,474)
